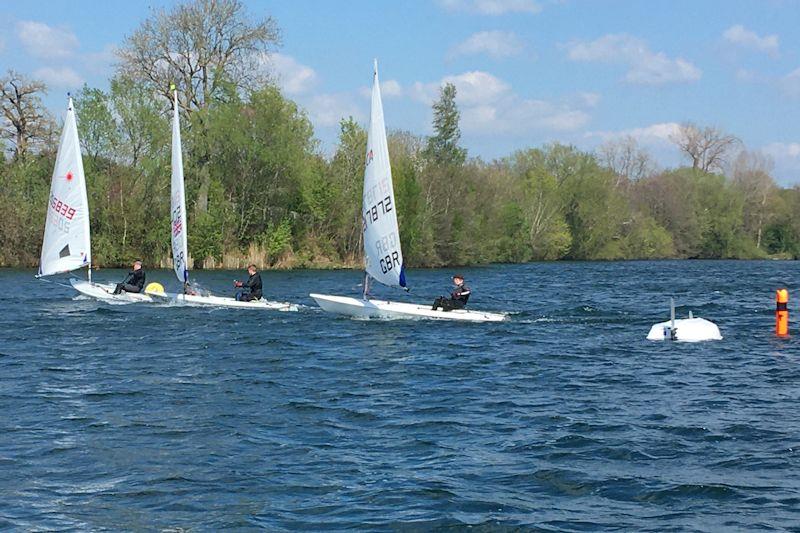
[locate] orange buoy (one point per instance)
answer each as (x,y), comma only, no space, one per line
(782,313)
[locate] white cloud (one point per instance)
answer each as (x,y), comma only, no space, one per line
(645,67)
(783,150)
(653,135)
(389,89)
(787,161)
(293,77)
(489,106)
(59,77)
(741,36)
(43,41)
(328,109)
(589,99)
(100,62)
(492,7)
(743,74)
(791,83)
(473,88)
(496,44)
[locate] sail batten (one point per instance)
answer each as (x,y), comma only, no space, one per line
(180,253)
(66,245)
(382,254)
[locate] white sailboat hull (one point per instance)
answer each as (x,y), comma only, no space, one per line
(223,301)
(686,330)
(105,292)
(384,309)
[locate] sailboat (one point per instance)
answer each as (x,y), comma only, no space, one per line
(383,256)
(180,249)
(66,245)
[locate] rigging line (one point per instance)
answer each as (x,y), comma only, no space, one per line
(56,282)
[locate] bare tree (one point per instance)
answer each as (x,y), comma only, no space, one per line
(707,147)
(751,174)
(25,121)
(626,159)
(201,46)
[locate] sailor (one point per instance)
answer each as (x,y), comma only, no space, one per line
(458,298)
(188,289)
(253,286)
(134,281)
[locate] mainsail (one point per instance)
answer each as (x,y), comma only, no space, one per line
(180,253)
(67,245)
(383,257)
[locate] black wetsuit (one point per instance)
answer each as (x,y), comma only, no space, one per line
(133,282)
(254,285)
(458,299)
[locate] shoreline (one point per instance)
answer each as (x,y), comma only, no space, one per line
(359,267)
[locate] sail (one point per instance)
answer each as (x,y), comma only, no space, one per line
(180,253)
(66,244)
(382,254)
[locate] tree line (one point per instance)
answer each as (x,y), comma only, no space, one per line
(260,189)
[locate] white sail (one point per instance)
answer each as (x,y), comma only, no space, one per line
(382,254)
(67,244)
(180,253)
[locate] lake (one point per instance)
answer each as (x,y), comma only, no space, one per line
(148,416)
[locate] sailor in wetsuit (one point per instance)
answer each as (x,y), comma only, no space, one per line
(458,298)
(253,284)
(134,281)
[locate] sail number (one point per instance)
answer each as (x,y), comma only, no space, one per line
(386,247)
(61,208)
(177,223)
(60,214)
(381,208)
(389,262)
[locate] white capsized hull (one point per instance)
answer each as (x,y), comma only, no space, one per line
(223,301)
(384,309)
(105,292)
(686,330)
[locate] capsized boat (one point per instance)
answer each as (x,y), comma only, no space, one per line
(692,329)
(382,254)
(180,251)
(67,245)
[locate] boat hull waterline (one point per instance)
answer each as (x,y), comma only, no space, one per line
(105,292)
(686,330)
(223,301)
(385,309)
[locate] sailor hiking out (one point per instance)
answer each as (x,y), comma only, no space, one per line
(134,281)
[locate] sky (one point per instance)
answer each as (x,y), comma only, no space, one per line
(528,72)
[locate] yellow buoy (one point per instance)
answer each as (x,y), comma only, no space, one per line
(154,288)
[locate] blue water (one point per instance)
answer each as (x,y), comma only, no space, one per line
(162,417)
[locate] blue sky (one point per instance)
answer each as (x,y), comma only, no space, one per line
(528,72)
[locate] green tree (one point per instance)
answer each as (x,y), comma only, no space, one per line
(442,148)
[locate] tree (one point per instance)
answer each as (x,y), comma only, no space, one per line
(707,148)
(346,176)
(200,46)
(210,49)
(751,175)
(24,119)
(442,148)
(97,128)
(626,159)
